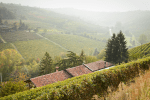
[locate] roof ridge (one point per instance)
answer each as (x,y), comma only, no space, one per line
(68,73)
(87,67)
(46,74)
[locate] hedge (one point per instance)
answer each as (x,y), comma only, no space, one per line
(85,86)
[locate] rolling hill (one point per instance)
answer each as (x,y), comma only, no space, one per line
(140,51)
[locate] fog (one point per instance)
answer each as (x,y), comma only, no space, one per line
(90,5)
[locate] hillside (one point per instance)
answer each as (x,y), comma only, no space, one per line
(76,43)
(30,45)
(37,48)
(53,20)
(133,21)
(139,51)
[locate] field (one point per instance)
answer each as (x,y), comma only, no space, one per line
(19,36)
(4,46)
(76,43)
(30,45)
(37,48)
(1,41)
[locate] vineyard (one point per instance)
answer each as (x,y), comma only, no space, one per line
(1,41)
(4,46)
(140,51)
(19,36)
(76,43)
(85,86)
(37,48)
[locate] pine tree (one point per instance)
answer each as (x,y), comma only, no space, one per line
(72,60)
(108,56)
(116,50)
(46,64)
(123,50)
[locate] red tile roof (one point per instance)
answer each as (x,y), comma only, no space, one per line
(68,73)
(78,70)
(50,78)
(94,66)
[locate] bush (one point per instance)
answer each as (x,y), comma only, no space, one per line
(11,87)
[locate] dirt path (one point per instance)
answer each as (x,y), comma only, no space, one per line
(53,42)
(3,40)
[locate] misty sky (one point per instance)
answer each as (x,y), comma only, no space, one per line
(91,5)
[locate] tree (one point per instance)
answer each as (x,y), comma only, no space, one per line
(116,50)
(142,38)
(95,52)
(123,54)
(82,55)
(72,60)
(20,22)
(102,54)
(11,87)
(46,64)
(9,58)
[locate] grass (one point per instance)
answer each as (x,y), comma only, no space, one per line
(76,43)
(138,90)
(37,48)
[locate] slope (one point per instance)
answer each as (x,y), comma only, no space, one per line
(140,51)
(76,43)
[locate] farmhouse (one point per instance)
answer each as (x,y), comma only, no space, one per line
(68,73)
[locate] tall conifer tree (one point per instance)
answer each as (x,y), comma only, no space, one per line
(46,64)
(123,50)
(116,50)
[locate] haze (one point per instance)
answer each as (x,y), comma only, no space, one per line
(90,5)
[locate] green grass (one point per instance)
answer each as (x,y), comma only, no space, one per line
(37,48)
(76,43)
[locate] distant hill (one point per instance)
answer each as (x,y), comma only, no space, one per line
(135,22)
(6,14)
(52,19)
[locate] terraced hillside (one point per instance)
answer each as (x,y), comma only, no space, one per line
(76,43)
(140,51)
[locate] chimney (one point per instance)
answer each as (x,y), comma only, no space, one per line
(105,64)
(57,69)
